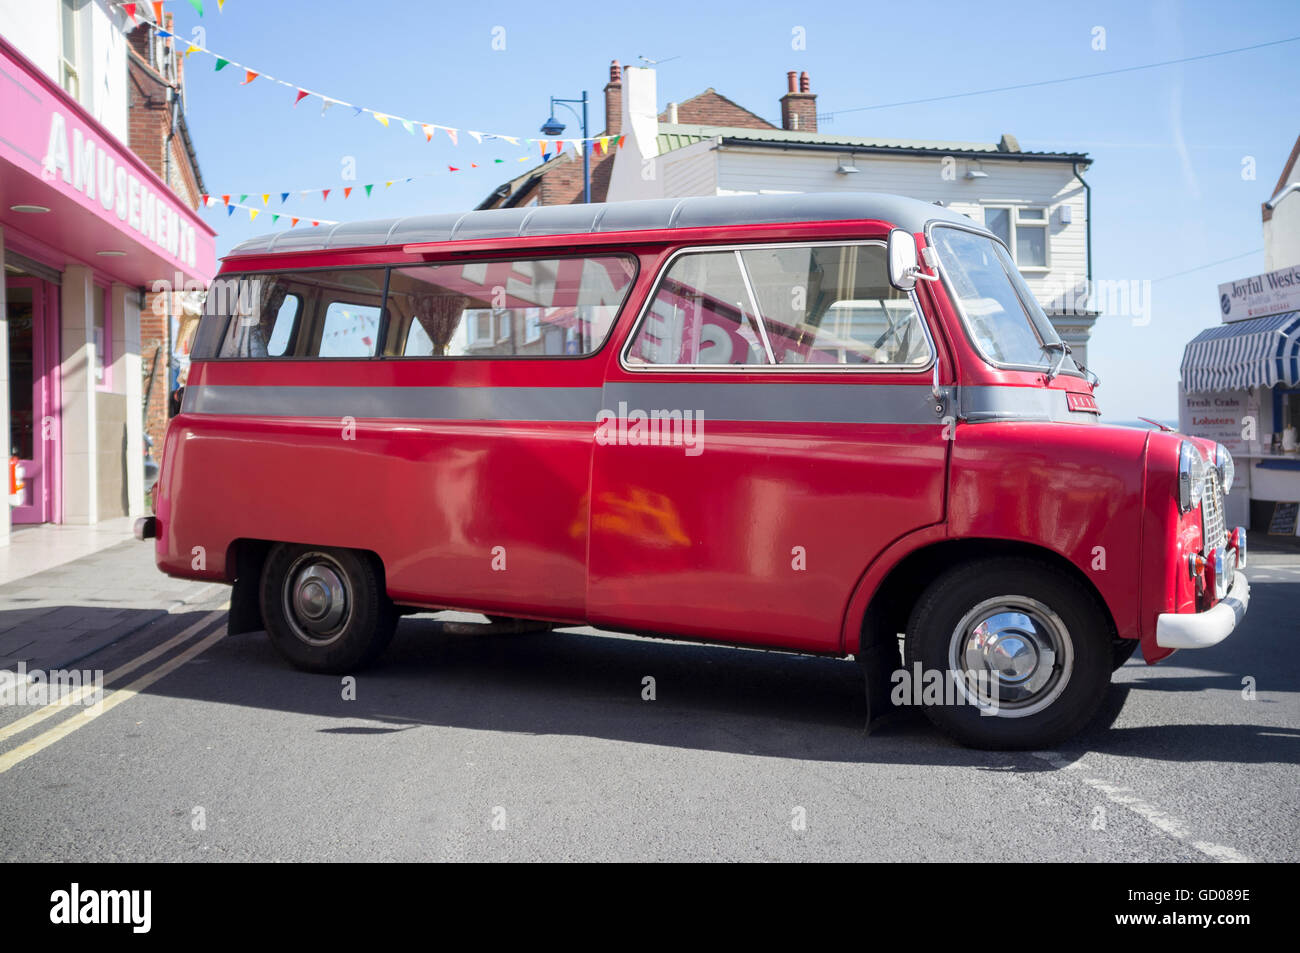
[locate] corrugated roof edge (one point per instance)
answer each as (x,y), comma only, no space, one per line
(641,215)
(791,138)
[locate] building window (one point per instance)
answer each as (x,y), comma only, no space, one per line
(1024,229)
(69,77)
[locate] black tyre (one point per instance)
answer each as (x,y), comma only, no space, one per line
(1121,650)
(1023,652)
(326,609)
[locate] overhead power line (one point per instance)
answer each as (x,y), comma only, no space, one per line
(1065,79)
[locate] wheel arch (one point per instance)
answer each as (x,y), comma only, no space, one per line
(245,558)
(889,605)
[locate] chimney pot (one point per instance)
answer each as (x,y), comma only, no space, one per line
(614,100)
(789,81)
(804,85)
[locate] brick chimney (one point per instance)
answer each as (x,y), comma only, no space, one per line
(614,100)
(799,104)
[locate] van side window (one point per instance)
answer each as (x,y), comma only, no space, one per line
(528,307)
(308,314)
(833,304)
(350,330)
(701,314)
(283,325)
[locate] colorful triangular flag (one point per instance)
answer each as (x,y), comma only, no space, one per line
(197,5)
(302,94)
(249,76)
(368,188)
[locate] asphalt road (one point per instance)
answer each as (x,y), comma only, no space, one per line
(542,747)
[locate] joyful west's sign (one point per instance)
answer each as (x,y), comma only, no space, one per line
(1275,292)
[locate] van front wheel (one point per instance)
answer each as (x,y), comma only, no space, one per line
(1021,650)
(326,609)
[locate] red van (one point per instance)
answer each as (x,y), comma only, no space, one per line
(834,424)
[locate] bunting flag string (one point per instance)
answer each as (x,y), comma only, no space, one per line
(599,144)
(157,7)
(279,198)
(212,201)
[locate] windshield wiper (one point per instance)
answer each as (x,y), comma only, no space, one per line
(1056,365)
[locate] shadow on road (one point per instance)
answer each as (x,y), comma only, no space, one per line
(713,698)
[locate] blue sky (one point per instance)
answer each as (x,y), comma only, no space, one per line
(1168,144)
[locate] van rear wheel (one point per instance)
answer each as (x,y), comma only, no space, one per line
(326,609)
(1023,652)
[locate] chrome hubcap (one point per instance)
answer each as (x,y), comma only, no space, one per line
(316,599)
(1012,653)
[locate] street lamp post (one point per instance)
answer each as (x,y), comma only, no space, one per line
(553,127)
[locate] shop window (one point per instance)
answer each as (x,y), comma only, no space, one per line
(103,338)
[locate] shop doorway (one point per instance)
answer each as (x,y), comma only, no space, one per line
(32,312)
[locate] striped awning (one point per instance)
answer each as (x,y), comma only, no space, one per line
(1261,352)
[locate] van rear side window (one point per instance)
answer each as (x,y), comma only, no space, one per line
(530,308)
(514,308)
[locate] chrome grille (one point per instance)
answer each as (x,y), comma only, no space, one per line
(1214,531)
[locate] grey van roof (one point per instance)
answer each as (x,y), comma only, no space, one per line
(690,212)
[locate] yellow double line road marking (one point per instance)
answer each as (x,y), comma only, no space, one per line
(113,699)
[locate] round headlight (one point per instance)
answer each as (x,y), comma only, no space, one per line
(1191,476)
(1223,463)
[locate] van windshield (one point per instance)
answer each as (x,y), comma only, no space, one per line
(1000,312)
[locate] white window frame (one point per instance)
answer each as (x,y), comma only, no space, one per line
(1045,223)
(69,68)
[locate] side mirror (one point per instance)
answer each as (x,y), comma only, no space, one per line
(903,263)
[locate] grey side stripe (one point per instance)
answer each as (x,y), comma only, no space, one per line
(988,404)
(766,402)
(407,403)
(819,403)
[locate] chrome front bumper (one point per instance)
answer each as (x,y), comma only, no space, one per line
(1199,630)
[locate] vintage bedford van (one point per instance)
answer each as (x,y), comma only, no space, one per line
(814,423)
